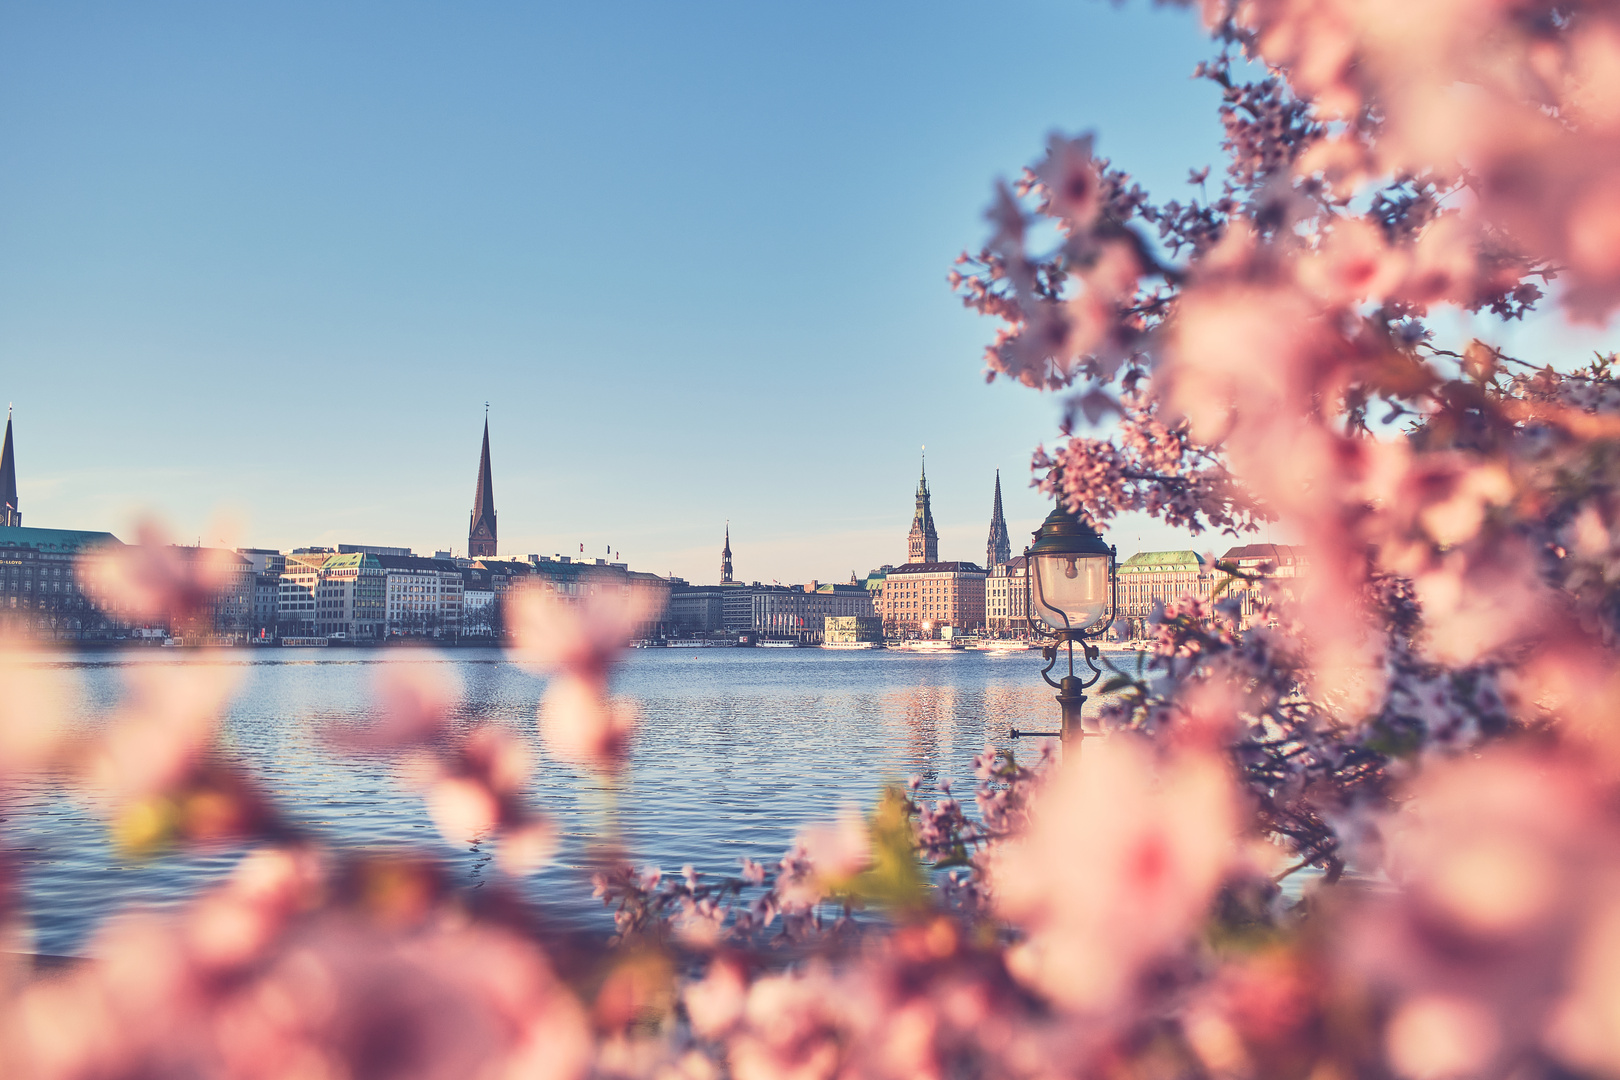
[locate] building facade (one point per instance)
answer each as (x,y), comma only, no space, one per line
(295,604)
(422,597)
(1250,566)
(351,599)
(924,599)
(227,616)
(1006,598)
(1150,579)
(851,629)
(695,611)
(48,589)
(800,611)
(267,566)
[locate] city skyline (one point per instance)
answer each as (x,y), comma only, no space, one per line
(224,533)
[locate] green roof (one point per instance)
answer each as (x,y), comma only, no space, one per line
(353,558)
(1147,561)
(55,540)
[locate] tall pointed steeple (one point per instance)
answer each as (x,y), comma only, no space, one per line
(922,546)
(481,532)
(9,514)
(999,549)
(725,558)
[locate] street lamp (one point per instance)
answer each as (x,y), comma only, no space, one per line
(1071,594)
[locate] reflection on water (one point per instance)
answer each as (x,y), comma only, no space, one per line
(737,749)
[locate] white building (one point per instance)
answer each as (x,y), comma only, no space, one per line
(424,597)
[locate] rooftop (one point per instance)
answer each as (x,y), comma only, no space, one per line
(414,562)
(937,568)
(1277,553)
(53,540)
(1148,561)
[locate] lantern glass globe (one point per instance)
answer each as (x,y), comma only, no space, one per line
(1071,589)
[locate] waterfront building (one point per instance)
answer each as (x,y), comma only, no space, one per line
(266,605)
(737,606)
(999,547)
(351,597)
(47,589)
(422,597)
(295,602)
(697,610)
(1251,565)
(1150,579)
(800,611)
(481,529)
(10,515)
(264,560)
(873,583)
(926,598)
(851,629)
(922,544)
(500,575)
(267,566)
(332,595)
(1006,597)
(574,580)
(480,615)
(562,576)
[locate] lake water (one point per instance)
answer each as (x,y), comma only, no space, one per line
(737,749)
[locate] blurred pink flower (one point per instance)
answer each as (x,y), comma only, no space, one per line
(577,641)
(414,701)
(1069,180)
(1117,870)
(838,851)
(153,578)
(582,724)
(33,716)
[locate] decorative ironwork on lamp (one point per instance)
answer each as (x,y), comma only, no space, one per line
(1071,591)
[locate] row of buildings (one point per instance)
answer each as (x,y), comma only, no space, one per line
(367,593)
(929,597)
(53,584)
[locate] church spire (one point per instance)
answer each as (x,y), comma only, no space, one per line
(922,546)
(725,558)
(9,514)
(481,531)
(999,549)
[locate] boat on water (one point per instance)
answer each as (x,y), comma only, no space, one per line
(991,646)
(780,645)
(929,645)
(701,643)
(852,644)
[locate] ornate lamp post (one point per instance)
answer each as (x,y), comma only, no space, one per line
(1071,594)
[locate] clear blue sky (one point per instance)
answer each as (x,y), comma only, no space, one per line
(264,264)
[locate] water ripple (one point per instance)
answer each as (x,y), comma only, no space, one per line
(737,749)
